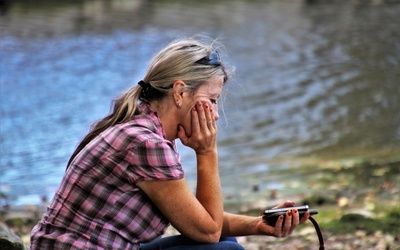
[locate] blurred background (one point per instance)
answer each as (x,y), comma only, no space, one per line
(312,113)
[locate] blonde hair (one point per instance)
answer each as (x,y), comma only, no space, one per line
(177,61)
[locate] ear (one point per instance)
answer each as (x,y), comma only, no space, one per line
(179,88)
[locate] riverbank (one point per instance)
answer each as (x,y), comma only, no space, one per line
(354,229)
(308,241)
(358,205)
(361,236)
(356,232)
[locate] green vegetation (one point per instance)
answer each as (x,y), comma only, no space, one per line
(348,223)
(361,196)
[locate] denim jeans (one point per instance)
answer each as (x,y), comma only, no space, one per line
(180,242)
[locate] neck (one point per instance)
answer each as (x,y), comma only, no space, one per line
(166,114)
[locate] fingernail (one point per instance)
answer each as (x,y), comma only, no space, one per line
(295,211)
(206,106)
(199,104)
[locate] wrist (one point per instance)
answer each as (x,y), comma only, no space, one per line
(207,160)
(259,224)
(207,153)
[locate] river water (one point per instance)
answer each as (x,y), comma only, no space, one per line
(316,83)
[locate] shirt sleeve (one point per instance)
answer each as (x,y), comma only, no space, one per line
(157,160)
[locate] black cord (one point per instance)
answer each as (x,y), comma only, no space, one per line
(320,238)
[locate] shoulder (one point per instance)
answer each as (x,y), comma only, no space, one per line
(141,128)
(137,132)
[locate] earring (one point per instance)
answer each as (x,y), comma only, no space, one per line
(179,104)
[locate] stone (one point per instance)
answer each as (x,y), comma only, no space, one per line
(9,240)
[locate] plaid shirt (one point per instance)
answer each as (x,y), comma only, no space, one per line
(98,204)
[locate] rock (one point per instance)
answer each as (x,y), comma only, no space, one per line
(9,240)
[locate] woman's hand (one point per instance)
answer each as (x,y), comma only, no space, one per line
(285,224)
(203,139)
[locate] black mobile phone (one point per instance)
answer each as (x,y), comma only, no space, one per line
(285,209)
(272,215)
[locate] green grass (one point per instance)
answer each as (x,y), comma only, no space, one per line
(349,223)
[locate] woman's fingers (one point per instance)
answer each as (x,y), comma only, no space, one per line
(278,226)
(285,225)
(305,217)
(288,223)
(202,116)
(203,137)
(295,220)
(195,119)
(206,119)
(211,123)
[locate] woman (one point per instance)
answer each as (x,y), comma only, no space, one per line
(125,183)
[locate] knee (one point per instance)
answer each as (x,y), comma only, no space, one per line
(233,246)
(230,243)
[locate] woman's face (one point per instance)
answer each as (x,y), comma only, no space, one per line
(208,93)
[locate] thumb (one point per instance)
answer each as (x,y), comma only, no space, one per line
(287,203)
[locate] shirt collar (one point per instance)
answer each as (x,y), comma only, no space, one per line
(146,110)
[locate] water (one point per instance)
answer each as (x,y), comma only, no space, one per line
(316,82)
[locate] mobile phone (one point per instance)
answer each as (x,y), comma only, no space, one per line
(271,217)
(285,209)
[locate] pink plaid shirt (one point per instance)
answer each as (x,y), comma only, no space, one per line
(98,204)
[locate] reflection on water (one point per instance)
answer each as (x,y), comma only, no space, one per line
(315,81)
